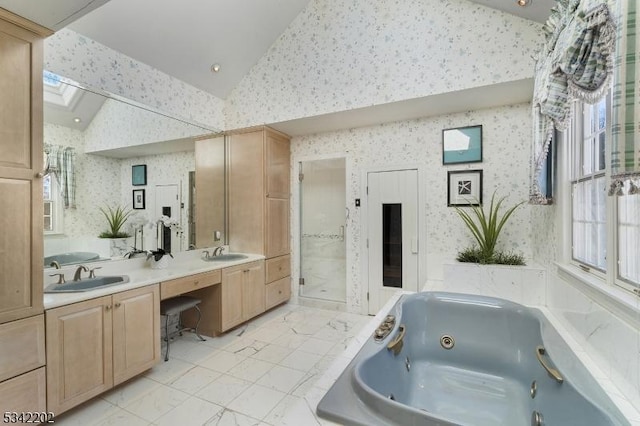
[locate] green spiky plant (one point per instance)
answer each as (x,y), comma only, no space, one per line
(486,228)
(116,218)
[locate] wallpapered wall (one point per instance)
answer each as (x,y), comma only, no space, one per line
(105,181)
(118,125)
(339,55)
(72,55)
(506,135)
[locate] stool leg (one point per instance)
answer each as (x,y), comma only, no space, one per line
(198,323)
(166,336)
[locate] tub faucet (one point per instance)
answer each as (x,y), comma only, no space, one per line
(218,250)
(78,275)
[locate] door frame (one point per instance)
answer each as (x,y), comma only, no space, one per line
(364,226)
(296,226)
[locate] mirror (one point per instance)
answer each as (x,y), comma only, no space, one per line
(125,154)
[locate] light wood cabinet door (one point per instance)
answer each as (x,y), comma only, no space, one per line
(253,301)
(277,165)
(231,297)
(27,392)
(246,192)
(277,227)
(79,352)
(136,332)
(21,218)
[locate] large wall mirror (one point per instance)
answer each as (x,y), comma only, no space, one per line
(122,154)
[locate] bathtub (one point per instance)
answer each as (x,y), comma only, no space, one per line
(71,258)
(467,360)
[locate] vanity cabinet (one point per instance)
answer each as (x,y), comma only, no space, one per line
(22,342)
(99,343)
(259,191)
(240,296)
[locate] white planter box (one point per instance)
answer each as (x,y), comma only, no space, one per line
(521,284)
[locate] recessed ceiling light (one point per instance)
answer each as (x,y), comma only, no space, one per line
(524,3)
(77,119)
(215,67)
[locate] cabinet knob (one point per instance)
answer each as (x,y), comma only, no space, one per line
(107,307)
(196,282)
(118,305)
(39,175)
(279,291)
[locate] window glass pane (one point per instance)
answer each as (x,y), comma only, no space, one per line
(629,238)
(587,157)
(602,114)
(392,245)
(46,186)
(600,163)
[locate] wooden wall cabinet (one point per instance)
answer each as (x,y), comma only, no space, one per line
(22,372)
(240,296)
(96,344)
(259,191)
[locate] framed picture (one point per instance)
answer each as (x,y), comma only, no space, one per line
(138,199)
(464,188)
(139,175)
(462,145)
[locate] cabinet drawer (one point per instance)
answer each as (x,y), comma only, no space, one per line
(183,285)
(278,268)
(27,392)
(21,346)
(277,292)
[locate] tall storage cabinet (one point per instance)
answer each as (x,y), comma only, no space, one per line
(22,360)
(259,191)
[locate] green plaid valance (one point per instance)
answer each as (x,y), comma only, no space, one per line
(576,63)
(625,147)
(59,161)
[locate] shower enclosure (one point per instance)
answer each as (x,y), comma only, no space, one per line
(322,229)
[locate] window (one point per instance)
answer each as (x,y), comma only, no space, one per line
(52,207)
(589,187)
(600,222)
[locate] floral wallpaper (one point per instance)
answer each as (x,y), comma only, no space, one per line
(340,55)
(164,169)
(95,176)
(79,58)
(406,144)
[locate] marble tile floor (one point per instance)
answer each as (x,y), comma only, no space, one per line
(249,376)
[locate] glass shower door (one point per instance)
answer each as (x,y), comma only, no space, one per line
(323,263)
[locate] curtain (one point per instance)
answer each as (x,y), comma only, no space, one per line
(624,151)
(60,162)
(575,63)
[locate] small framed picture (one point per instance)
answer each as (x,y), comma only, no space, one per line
(139,175)
(462,145)
(464,188)
(138,199)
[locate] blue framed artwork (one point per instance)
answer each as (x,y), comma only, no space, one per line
(462,145)
(139,175)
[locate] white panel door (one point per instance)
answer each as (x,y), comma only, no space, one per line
(392,223)
(168,201)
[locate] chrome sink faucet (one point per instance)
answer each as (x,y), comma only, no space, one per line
(78,275)
(206,254)
(218,250)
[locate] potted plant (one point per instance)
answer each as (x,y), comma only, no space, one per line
(116,218)
(486,228)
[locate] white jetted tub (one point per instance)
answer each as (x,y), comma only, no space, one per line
(455,359)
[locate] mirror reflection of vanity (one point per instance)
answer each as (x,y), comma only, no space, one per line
(108,136)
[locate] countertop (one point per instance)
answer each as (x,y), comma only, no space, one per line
(140,274)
